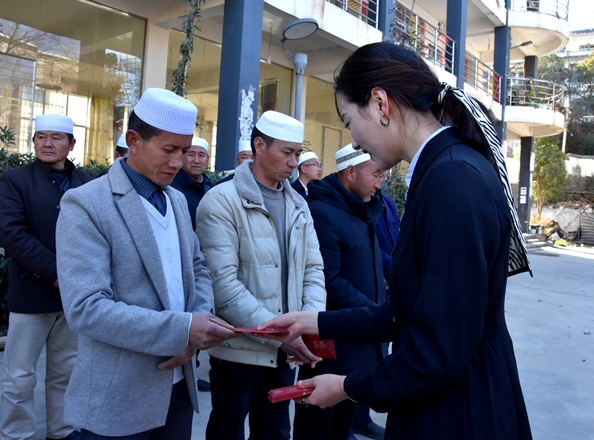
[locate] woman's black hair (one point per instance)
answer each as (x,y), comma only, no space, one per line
(409,82)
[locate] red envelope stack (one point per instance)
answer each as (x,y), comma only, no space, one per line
(290,392)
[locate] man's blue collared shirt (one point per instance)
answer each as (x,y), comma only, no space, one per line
(146,188)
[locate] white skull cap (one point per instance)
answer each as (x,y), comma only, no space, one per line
(167,111)
(200,142)
(349,156)
(280,126)
(306,156)
(122,141)
(59,123)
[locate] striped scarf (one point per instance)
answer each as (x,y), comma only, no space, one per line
(518,254)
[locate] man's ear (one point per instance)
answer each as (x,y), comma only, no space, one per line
(259,145)
(351,173)
(133,139)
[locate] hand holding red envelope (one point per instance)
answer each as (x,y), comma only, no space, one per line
(290,392)
(323,348)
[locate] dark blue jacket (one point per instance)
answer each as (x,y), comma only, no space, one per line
(452,373)
(298,186)
(345,227)
(29,206)
(193,191)
(386,231)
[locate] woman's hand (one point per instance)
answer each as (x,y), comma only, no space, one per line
(329,390)
(295,324)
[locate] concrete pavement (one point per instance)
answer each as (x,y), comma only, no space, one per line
(551,320)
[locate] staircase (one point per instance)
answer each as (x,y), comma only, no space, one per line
(535,241)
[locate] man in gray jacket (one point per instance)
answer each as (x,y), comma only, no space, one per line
(134,285)
(259,243)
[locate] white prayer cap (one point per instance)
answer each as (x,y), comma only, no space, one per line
(199,142)
(167,111)
(122,141)
(349,156)
(54,123)
(280,126)
(244,146)
(306,156)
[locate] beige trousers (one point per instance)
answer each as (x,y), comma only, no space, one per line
(27,334)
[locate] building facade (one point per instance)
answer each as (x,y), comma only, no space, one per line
(91,60)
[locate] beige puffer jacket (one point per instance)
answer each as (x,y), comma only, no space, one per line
(239,242)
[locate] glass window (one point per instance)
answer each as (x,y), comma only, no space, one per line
(324,131)
(86,63)
(203,85)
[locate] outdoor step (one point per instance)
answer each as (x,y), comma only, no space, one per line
(536,241)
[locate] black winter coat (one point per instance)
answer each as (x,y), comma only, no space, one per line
(387,230)
(193,191)
(345,227)
(29,207)
(452,373)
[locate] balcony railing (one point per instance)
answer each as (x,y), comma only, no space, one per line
(556,8)
(428,41)
(530,92)
(480,76)
(365,10)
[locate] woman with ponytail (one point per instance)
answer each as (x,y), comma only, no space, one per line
(452,373)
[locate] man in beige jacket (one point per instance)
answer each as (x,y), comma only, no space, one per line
(259,242)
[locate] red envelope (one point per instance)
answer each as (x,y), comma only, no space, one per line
(290,392)
(323,348)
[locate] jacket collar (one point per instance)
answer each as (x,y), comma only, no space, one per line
(332,191)
(132,212)
(185,180)
(247,187)
(434,148)
(46,168)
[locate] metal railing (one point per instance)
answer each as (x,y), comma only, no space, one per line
(556,8)
(480,76)
(530,92)
(365,10)
(428,41)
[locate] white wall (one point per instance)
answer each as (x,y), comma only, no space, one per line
(578,165)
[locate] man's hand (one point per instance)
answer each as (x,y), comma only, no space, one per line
(301,354)
(207,330)
(178,361)
(56,283)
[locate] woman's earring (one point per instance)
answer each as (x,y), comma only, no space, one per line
(384,124)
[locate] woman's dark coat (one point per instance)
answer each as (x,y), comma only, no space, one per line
(452,373)
(29,207)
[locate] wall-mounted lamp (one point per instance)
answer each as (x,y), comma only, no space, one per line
(297,30)
(525,43)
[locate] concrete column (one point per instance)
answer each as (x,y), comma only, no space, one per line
(386,17)
(525,186)
(240,77)
(501,66)
(531,66)
(457,11)
(155,57)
